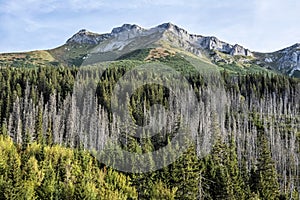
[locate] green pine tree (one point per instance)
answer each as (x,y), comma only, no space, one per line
(264,177)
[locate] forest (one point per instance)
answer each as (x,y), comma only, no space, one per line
(245,136)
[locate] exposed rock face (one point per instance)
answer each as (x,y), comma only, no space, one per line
(126,27)
(290,59)
(206,43)
(127,31)
(239,50)
(286,60)
(181,33)
(86,37)
(179,37)
(213,43)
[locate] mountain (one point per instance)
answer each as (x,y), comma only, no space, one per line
(86,47)
(127,34)
(286,60)
(128,38)
(117,131)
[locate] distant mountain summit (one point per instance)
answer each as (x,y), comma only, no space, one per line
(85,37)
(286,60)
(87,47)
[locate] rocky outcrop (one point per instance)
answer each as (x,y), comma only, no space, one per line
(213,43)
(239,50)
(126,28)
(286,60)
(86,37)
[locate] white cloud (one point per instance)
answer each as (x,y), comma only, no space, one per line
(47,6)
(16,7)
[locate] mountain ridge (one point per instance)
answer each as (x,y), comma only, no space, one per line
(131,37)
(204,42)
(286,60)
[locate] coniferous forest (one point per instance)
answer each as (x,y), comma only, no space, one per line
(246,138)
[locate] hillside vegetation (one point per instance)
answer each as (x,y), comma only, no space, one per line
(52,116)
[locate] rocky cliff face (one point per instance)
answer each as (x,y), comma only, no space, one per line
(289,59)
(286,60)
(239,50)
(86,37)
(197,42)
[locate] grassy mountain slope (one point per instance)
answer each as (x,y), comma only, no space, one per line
(27,59)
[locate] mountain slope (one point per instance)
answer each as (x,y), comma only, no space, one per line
(286,60)
(86,47)
(27,59)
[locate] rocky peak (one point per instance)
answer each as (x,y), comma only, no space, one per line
(239,50)
(126,28)
(82,32)
(296,46)
(166,25)
(86,37)
(173,28)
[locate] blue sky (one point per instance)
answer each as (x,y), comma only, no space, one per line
(260,25)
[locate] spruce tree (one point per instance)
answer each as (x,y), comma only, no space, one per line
(264,177)
(267,186)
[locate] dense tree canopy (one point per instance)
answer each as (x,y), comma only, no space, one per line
(247,137)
